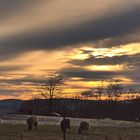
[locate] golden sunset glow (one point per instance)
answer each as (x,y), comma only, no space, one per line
(105,67)
(38,64)
(83,41)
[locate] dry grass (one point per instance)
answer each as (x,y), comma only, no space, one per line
(50,132)
(14,127)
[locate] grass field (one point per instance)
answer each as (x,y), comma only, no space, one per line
(52,132)
(14,128)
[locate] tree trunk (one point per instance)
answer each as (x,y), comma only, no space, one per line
(50,106)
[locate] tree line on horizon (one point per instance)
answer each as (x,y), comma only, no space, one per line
(54,85)
(119,110)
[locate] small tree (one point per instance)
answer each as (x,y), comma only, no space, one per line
(100,90)
(51,88)
(132,93)
(87,93)
(114,89)
(109,91)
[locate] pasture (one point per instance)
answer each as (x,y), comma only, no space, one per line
(109,130)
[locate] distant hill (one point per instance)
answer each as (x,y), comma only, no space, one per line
(121,110)
(9,105)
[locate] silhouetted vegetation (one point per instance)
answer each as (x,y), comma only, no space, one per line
(121,110)
(95,107)
(51,88)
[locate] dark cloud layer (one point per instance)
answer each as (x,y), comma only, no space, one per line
(12,92)
(131,68)
(88,75)
(23,30)
(11,68)
(115,60)
(91,30)
(26,80)
(9,8)
(133,37)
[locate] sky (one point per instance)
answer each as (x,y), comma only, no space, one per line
(88,41)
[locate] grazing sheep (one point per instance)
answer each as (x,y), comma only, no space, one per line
(84,126)
(29,123)
(32,122)
(65,125)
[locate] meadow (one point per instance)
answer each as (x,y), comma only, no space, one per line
(45,132)
(109,130)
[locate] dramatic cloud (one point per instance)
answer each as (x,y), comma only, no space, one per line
(108,25)
(115,60)
(88,75)
(11,7)
(87,41)
(10,68)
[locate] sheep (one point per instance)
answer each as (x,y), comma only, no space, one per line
(29,122)
(84,126)
(65,125)
(32,122)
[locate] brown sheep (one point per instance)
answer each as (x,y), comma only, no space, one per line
(32,122)
(84,126)
(65,125)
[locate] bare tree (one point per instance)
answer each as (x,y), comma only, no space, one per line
(36,97)
(100,90)
(114,89)
(109,91)
(51,88)
(132,93)
(87,93)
